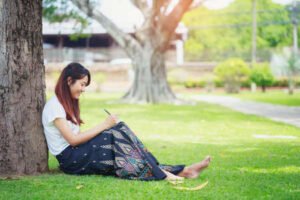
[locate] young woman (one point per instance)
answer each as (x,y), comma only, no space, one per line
(110,148)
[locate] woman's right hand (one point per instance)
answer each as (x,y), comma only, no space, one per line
(111,121)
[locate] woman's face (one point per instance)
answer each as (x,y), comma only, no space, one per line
(78,87)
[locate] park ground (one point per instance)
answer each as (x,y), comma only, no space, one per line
(244,164)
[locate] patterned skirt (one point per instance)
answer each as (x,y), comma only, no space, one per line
(116,151)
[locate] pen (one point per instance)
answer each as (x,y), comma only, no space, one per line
(107,112)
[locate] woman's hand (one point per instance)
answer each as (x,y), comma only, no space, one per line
(111,121)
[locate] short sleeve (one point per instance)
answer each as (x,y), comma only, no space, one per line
(52,111)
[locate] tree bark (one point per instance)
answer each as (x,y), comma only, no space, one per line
(263,88)
(291,86)
(23,147)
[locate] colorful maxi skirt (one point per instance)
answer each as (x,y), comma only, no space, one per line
(116,151)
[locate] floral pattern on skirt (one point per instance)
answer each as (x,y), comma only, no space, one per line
(116,151)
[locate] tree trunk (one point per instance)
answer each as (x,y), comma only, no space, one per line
(23,147)
(150,79)
(146,46)
(291,87)
(263,88)
(232,86)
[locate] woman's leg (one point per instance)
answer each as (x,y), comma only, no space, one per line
(132,160)
(172,177)
(92,157)
(194,170)
(174,169)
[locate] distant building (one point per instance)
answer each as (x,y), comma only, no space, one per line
(98,47)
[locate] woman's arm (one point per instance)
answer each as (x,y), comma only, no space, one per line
(74,140)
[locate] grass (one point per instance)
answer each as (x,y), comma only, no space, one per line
(272,96)
(243,167)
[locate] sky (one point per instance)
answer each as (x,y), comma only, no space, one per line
(121,12)
(124,12)
(219,4)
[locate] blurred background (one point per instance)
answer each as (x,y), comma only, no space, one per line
(227,45)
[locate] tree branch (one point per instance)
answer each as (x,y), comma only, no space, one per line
(146,10)
(152,18)
(142,5)
(170,22)
(126,41)
(196,4)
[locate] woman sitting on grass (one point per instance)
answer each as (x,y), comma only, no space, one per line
(110,148)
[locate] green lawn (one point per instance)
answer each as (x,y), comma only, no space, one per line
(243,166)
(279,97)
(273,96)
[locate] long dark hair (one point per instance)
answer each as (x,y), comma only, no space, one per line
(62,90)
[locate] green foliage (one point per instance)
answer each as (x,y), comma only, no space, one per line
(232,71)
(297,81)
(261,75)
(203,83)
(284,82)
(281,82)
(207,81)
(246,83)
(219,34)
(60,10)
(218,82)
(190,83)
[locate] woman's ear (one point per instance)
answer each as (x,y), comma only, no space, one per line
(69,80)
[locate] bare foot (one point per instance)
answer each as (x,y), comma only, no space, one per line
(194,170)
(172,177)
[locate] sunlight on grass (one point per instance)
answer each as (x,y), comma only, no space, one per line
(278,97)
(278,170)
(275,137)
(274,97)
(241,164)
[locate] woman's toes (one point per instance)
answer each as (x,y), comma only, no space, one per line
(206,161)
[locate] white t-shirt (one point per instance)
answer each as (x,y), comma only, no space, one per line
(55,141)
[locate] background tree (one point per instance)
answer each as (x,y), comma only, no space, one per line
(286,64)
(23,147)
(146,46)
(227,32)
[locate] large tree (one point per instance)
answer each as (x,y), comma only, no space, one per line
(147,45)
(22,144)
